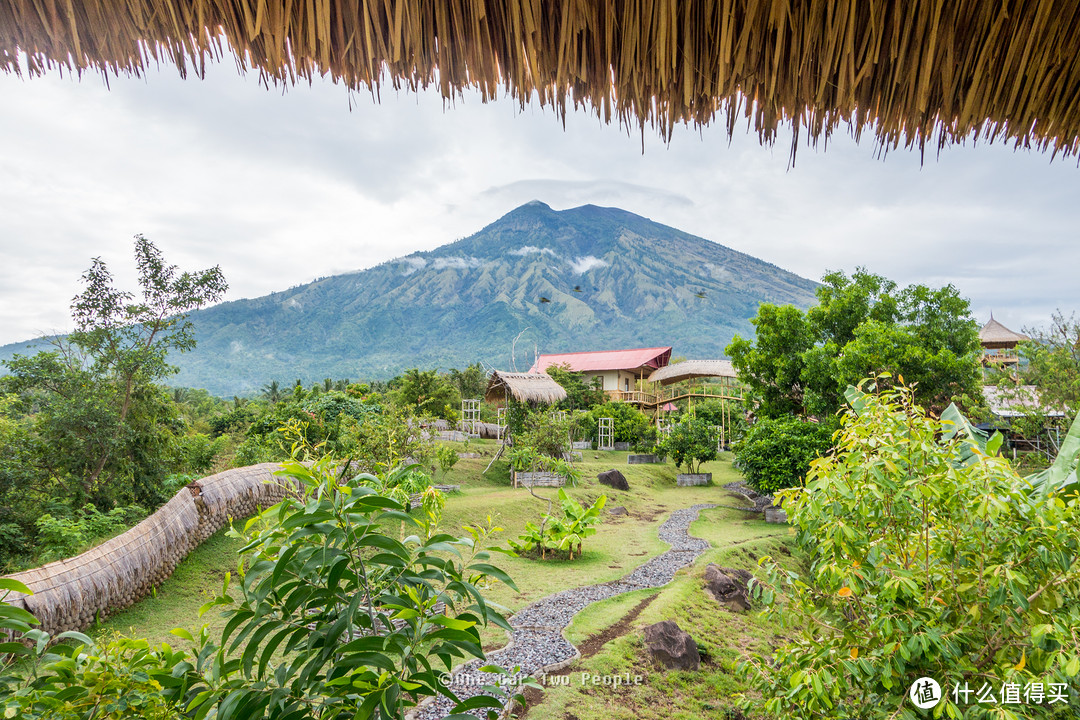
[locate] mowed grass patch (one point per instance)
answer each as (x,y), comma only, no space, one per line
(725,638)
(620,545)
(196,580)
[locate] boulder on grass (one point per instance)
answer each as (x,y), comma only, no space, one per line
(617,510)
(613,479)
(670,646)
(728,586)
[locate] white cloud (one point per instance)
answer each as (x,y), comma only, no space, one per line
(585,264)
(532,250)
(281,188)
(413,264)
(456,263)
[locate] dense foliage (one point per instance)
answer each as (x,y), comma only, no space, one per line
(88,422)
(800,363)
(579,394)
(689,443)
(929,556)
(629,424)
(1053,364)
(332,615)
(776,454)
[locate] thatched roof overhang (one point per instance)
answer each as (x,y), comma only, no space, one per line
(690,369)
(915,73)
(534,388)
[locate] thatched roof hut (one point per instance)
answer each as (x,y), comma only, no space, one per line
(911,73)
(690,369)
(995,336)
(532,388)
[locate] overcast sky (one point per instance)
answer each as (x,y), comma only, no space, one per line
(281,188)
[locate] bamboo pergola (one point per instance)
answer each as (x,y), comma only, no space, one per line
(912,72)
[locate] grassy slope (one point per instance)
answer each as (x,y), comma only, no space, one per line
(724,637)
(621,544)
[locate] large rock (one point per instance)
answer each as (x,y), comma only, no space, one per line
(728,586)
(670,646)
(613,479)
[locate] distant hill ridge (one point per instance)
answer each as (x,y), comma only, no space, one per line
(587,278)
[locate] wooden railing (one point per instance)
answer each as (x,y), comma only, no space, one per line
(648,399)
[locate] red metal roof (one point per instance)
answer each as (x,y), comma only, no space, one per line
(606,360)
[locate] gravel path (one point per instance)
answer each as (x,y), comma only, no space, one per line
(537,643)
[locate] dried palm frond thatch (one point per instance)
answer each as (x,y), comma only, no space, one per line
(690,369)
(994,335)
(912,72)
(534,388)
(71,594)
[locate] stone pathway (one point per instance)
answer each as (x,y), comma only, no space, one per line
(537,644)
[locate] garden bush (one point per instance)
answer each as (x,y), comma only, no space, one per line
(562,532)
(629,424)
(929,556)
(689,444)
(776,454)
(332,616)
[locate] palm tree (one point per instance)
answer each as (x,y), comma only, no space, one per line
(272,392)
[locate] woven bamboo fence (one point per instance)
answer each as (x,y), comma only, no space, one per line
(71,594)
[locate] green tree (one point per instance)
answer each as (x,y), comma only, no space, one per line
(96,395)
(1053,363)
(628,423)
(800,363)
(775,453)
(773,364)
(928,556)
(689,444)
(579,394)
(425,393)
(471,382)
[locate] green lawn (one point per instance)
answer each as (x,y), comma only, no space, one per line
(620,545)
(723,636)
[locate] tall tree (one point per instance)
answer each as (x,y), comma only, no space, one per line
(86,391)
(1053,363)
(800,363)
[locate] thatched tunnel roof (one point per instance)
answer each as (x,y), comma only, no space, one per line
(535,388)
(912,72)
(70,594)
(690,369)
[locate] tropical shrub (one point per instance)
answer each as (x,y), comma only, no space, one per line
(120,678)
(522,458)
(563,532)
(546,433)
(196,452)
(648,442)
(580,395)
(776,454)
(382,440)
(630,425)
(689,444)
(447,458)
(332,616)
(67,535)
(928,557)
